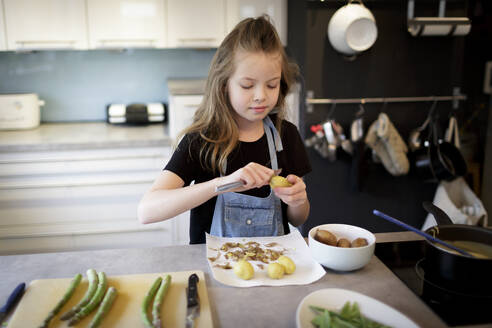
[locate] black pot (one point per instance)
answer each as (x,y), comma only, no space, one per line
(454,271)
(438,160)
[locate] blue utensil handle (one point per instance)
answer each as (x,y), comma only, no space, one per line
(423,234)
(14,296)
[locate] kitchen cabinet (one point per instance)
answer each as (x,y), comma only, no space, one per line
(196,23)
(45,24)
(3,43)
(120,23)
(238,10)
(59,200)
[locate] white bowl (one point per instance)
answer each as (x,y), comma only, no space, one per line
(352,29)
(339,258)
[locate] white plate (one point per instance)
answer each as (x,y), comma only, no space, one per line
(334,299)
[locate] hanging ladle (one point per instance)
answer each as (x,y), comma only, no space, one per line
(423,234)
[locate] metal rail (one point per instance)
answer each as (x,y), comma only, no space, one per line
(310,100)
(313,101)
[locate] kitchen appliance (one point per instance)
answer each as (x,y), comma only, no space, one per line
(185,96)
(19,111)
(406,259)
(136,113)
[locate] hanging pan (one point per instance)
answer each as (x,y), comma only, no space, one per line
(438,160)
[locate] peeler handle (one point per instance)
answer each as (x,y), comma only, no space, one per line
(227,186)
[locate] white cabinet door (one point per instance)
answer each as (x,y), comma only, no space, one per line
(81,199)
(196,23)
(181,111)
(238,10)
(121,23)
(45,24)
(3,43)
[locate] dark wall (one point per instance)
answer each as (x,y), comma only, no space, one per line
(397,65)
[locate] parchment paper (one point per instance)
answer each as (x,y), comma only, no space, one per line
(307,269)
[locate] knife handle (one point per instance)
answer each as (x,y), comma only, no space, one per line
(192,290)
(13,298)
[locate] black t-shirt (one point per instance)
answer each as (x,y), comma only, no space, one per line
(184,162)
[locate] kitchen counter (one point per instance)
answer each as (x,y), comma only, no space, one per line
(231,307)
(92,135)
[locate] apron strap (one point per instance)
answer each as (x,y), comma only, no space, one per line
(273,147)
(278,142)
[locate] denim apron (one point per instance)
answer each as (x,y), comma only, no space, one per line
(239,215)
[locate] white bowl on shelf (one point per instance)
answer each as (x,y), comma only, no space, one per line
(339,258)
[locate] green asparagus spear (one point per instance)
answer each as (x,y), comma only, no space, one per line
(92,277)
(95,300)
(146,301)
(156,307)
(73,284)
(103,307)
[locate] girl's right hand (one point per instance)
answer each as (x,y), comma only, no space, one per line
(252,175)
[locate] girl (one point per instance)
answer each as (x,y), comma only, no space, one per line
(233,138)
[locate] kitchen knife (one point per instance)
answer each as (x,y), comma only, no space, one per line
(12,300)
(193,304)
(233,185)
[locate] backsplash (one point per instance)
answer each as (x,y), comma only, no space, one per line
(77,85)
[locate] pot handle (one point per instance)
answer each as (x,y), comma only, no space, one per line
(441,217)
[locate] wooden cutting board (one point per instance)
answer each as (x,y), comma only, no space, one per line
(41,296)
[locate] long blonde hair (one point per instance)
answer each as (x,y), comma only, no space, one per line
(213,121)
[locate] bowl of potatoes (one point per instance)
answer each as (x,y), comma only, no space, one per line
(341,247)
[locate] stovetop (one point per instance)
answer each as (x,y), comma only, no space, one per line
(405,260)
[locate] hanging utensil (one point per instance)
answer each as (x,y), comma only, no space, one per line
(357,168)
(414,140)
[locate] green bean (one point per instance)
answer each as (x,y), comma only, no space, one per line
(349,317)
(95,300)
(71,288)
(104,307)
(92,277)
(146,302)
(156,307)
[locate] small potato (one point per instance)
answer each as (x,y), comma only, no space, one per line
(275,270)
(244,270)
(287,263)
(278,181)
(326,237)
(342,242)
(359,242)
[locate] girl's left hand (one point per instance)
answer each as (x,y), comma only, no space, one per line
(294,195)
